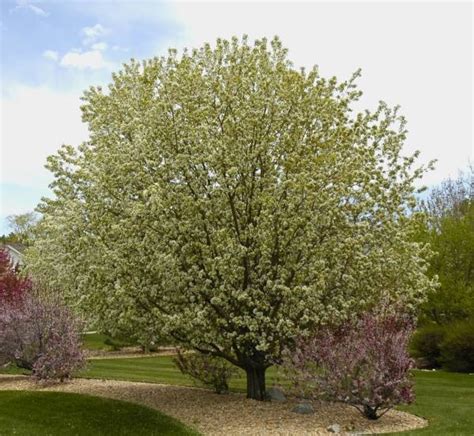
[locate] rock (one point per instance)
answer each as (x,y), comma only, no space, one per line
(334,428)
(276,394)
(303,408)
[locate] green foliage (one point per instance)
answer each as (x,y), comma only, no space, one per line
(11,238)
(232,202)
(450,232)
(450,346)
(208,370)
(457,348)
(66,414)
(426,345)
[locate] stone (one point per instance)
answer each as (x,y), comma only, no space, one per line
(276,394)
(303,409)
(334,428)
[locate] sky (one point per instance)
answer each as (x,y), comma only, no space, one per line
(418,55)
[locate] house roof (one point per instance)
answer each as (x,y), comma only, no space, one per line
(16,248)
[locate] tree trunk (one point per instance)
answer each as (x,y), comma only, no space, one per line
(256,383)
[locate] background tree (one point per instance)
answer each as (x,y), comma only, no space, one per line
(444,338)
(450,231)
(11,238)
(233,202)
(22,226)
(450,198)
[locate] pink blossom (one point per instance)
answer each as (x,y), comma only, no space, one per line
(363,363)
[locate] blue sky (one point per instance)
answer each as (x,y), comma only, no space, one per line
(38,36)
(51,52)
(418,55)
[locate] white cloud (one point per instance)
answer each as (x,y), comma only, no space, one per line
(28,4)
(51,55)
(35,122)
(92,60)
(93,33)
(38,11)
(99,46)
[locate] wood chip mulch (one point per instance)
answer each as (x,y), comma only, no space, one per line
(230,414)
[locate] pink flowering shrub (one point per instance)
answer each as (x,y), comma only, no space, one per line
(42,337)
(35,334)
(363,363)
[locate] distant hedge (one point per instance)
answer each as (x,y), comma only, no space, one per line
(450,346)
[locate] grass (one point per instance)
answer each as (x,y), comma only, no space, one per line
(157,369)
(58,414)
(446,399)
(99,341)
(95,341)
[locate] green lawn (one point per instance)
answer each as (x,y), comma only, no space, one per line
(157,369)
(446,400)
(95,341)
(52,413)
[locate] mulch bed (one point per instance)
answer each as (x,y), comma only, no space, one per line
(230,414)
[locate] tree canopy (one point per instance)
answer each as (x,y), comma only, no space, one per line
(231,201)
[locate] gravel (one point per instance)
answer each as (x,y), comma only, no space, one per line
(230,414)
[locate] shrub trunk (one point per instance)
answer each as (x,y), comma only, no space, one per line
(370,412)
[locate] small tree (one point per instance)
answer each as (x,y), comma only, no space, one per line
(23,226)
(363,363)
(211,371)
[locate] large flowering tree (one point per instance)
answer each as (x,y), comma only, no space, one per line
(233,202)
